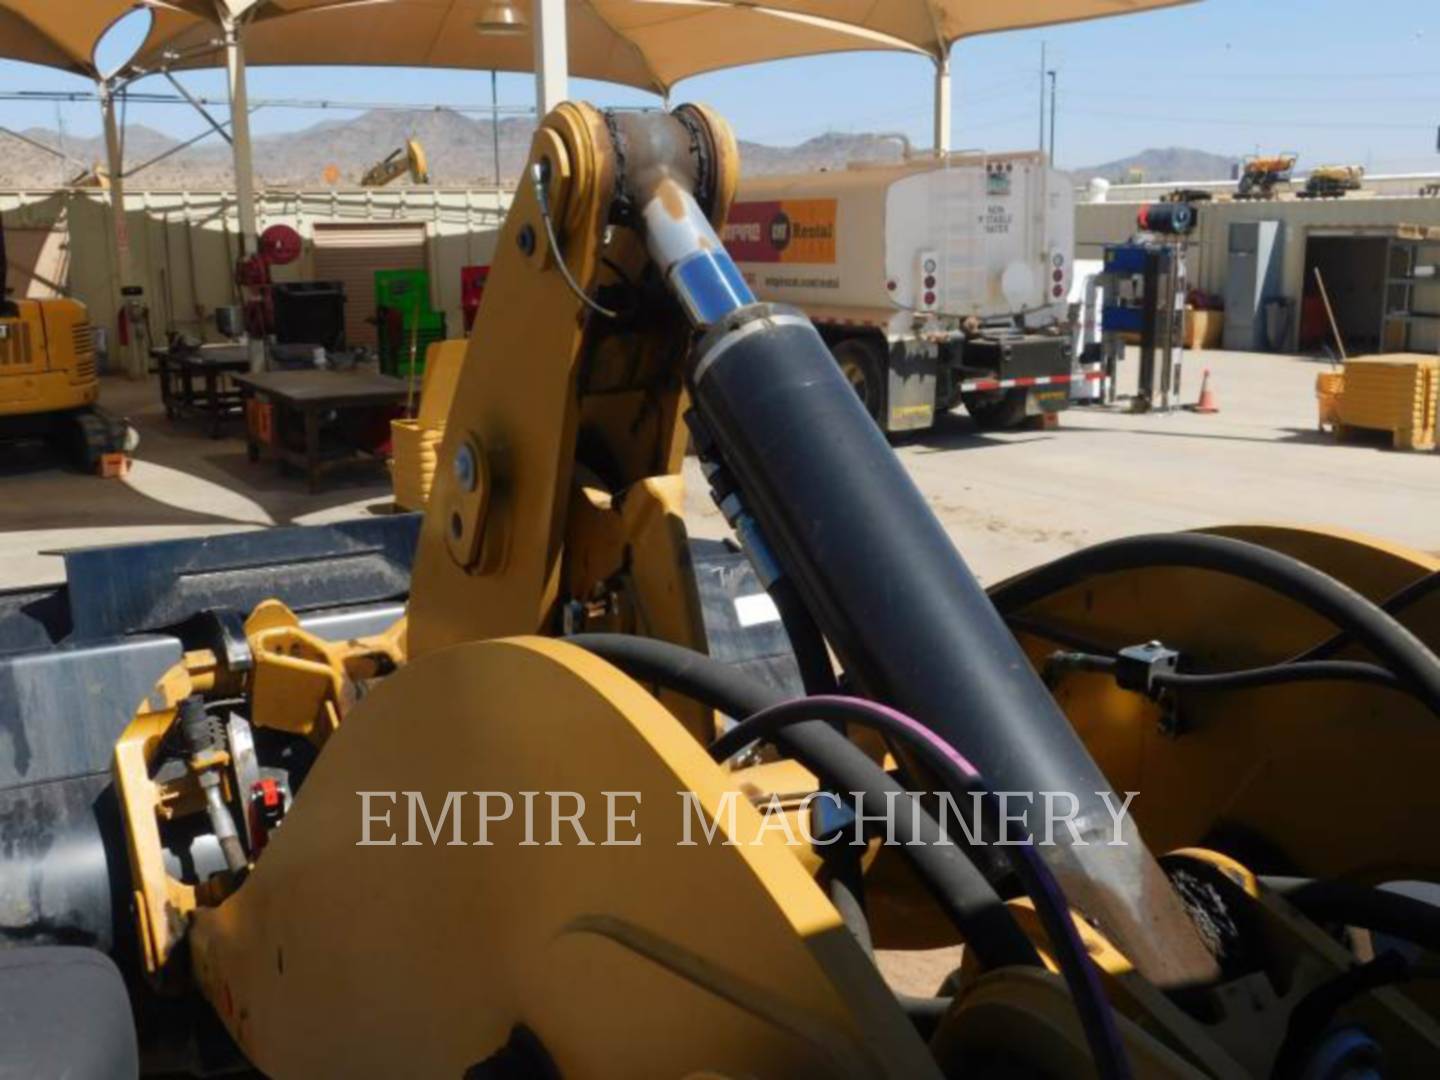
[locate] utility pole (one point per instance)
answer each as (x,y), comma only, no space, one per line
(1041,145)
(1052,117)
(495,122)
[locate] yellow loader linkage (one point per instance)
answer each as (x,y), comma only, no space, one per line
(602,801)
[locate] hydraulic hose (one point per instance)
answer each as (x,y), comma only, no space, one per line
(963,893)
(961,777)
(1392,605)
(1396,647)
(925,1013)
(806,641)
(1391,913)
(1244,678)
(1281,674)
(1315,1013)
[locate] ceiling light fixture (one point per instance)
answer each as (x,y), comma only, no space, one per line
(500,19)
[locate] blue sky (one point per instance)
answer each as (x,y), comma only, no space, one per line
(1331,79)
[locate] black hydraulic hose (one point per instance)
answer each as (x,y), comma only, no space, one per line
(808,644)
(963,893)
(1244,678)
(961,778)
(1280,674)
(1037,628)
(1396,647)
(1315,1012)
(1392,605)
(852,910)
(1381,910)
(924,1012)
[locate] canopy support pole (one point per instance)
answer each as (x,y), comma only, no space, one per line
(552,56)
(942,106)
(241,149)
(129,295)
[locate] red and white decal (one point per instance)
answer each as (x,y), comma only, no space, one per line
(1038,380)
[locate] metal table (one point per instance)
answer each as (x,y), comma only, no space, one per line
(317,420)
(211,366)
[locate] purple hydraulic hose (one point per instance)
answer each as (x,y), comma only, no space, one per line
(1080,974)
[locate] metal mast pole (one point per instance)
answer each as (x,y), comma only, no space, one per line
(1041,145)
(241,150)
(552,56)
(495,122)
(1052,74)
(129,306)
(942,106)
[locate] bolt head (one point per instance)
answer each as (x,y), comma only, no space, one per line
(465,471)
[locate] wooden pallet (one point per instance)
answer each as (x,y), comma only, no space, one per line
(1397,393)
(1399,440)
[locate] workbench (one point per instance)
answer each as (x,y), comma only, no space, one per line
(317,420)
(197,382)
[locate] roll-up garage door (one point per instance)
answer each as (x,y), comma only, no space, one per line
(352,253)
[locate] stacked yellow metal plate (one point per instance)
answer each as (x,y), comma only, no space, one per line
(415,444)
(414,451)
(1397,393)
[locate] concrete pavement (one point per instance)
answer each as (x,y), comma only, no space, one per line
(1010,501)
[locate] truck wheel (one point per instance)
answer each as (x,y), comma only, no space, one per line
(861,365)
(996,410)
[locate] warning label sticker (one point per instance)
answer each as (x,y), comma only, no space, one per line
(782,231)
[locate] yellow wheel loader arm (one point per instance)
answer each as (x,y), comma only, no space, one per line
(602,801)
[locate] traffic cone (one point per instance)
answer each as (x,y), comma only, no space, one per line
(1207,403)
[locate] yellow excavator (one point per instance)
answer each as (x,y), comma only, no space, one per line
(534,785)
(48,383)
(409,158)
(1262,174)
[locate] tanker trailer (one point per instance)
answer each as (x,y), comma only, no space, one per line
(934,282)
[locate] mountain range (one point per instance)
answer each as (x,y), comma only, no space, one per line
(461,150)
(1169,165)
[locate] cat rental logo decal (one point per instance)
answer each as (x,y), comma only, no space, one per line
(782,231)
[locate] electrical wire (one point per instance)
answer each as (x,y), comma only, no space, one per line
(537,178)
(1096,1016)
